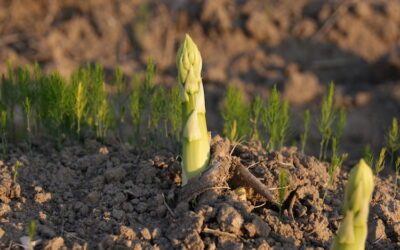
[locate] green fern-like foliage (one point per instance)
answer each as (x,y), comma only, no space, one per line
(392,139)
(256,109)
(368,156)
(306,129)
(326,120)
(276,120)
(236,116)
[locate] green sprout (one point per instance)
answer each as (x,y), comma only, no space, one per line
(392,140)
(283,182)
(353,230)
(380,164)
(3,131)
(103,115)
(334,165)
(80,105)
(306,129)
(276,120)
(256,108)
(396,175)
(326,120)
(174,114)
(31,230)
(158,114)
(140,100)
(368,156)
(283,123)
(28,111)
(340,124)
(136,110)
(195,138)
(16,167)
(236,115)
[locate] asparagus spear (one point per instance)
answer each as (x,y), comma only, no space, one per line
(195,138)
(352,232)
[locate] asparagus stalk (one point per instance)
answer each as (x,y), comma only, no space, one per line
(195,138)
(352,232)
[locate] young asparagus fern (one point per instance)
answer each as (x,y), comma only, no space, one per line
(396,175)
(276,120)
(3,131)
(392,140)
(335,164)
(256,108)
(368,156)
(353,230)
(340,124)
(80,104)
(195,138)
(306,129)
(326,120)
(236,115)
(380,164)
(283,187)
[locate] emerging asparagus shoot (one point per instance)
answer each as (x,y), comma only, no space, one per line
(352,232)
(195,139)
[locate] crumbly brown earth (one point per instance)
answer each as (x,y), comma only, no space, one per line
(113,196)
(299,45)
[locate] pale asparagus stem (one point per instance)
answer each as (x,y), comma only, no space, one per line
(195,139)
(353,230)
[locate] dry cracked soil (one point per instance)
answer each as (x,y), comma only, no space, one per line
(112,196)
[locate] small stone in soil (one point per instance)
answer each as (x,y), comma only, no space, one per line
(145,232)
(127,233)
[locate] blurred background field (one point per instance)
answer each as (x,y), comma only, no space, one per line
(298,45)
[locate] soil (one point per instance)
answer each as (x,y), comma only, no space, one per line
(112,196)
(253,44)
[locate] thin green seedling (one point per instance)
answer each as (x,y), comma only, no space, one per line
(174,114)
(283,182)
(15,170)
(340,124)
(120,102)
(336,162)
(235,114)
(3,131)
(380,164)
(368,156)
(103,117)
(31,230)
(52,105)
(256,108)
(283,123)
(396,175)
(306,129)
(326,120)
(28,113)
(140,101)
(392,140)
(158,125)
(79,105)
(136,110)
(275,119)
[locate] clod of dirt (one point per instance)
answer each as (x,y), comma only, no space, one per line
(146,208)
(114,174)
(55,244)
(230,220)
(42,197)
